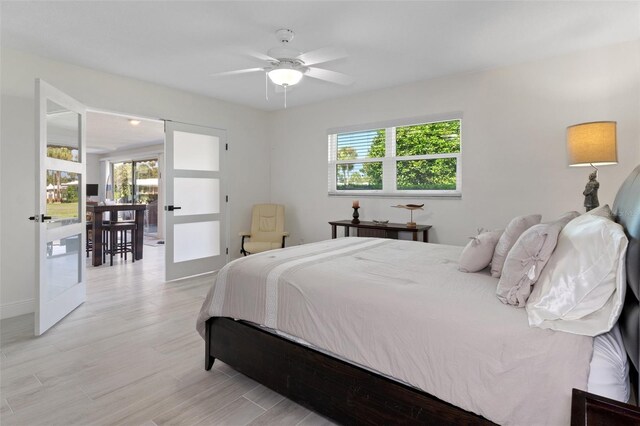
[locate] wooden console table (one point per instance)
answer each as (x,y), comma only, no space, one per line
(371,229)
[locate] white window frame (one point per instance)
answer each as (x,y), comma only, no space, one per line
(389,160)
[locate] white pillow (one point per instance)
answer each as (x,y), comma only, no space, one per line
(525,262)
(515,228)
(478,253)
(581,290)
(604,211)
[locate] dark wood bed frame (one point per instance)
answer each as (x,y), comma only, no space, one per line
(351,395)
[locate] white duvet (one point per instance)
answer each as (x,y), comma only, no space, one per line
(403,309)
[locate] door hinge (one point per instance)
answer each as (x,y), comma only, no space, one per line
(226,198)
(226,147)
(227,250)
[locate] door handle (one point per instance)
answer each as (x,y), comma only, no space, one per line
(172,208)
(42,218)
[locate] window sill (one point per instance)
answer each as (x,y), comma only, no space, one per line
(449,195)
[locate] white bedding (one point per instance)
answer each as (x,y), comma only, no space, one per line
(609,368)
(403,309)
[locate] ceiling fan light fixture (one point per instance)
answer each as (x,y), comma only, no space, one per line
(285,76)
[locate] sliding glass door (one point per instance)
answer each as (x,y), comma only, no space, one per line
(137,182)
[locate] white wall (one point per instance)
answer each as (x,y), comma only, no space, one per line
(246,129)
(93,168)
(514,155)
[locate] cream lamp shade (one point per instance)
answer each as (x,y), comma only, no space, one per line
(591,144)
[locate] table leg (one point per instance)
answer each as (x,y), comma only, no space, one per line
(333,232)
(415,235)
(346,231)
(139,234)
(425,235)
(96,251)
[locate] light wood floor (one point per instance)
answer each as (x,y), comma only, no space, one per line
(130,355)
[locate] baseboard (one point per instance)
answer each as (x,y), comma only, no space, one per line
(13,309)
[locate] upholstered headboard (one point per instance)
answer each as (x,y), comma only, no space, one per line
(626,209)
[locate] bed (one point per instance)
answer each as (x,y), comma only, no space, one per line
(319,358)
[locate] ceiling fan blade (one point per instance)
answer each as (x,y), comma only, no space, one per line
(261,56)
(325,54)
(236,72)
(330,76)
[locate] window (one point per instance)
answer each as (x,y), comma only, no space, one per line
(416,159)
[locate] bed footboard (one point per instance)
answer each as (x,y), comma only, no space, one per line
(590,409)
(338,390)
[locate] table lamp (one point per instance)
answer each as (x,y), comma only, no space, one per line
(592,144)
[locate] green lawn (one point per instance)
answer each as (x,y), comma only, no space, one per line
(61,210)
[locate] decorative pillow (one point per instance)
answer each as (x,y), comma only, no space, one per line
(566,218)
(525,262)
(604,211)
(478,253)
(581,290)
(515,228)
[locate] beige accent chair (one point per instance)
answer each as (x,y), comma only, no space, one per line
(267,229)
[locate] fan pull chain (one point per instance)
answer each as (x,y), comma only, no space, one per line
(285,96)
(266,86)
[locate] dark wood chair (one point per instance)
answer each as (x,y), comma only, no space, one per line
(89,245)
(118,241)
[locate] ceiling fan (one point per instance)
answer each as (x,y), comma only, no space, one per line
(286,66)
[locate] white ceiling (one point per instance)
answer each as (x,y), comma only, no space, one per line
(180,44)
(111,132)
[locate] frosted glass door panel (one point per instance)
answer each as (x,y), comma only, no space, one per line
(193,151)
(196,240)
(197,196)
(62,265)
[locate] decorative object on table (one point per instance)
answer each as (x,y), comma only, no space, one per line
(380,222)
(411,208)
(356,206)
(592,144)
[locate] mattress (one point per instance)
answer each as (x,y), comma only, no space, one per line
(609,367)
(404,310)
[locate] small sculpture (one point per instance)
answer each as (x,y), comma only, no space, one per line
(411,208)
(591,192)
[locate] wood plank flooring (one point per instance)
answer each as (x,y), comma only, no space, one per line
(130,355)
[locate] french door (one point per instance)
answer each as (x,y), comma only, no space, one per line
(60,205)
(196,232)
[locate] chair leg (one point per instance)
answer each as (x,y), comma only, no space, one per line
(113,240)
(242,250)
(133,246)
